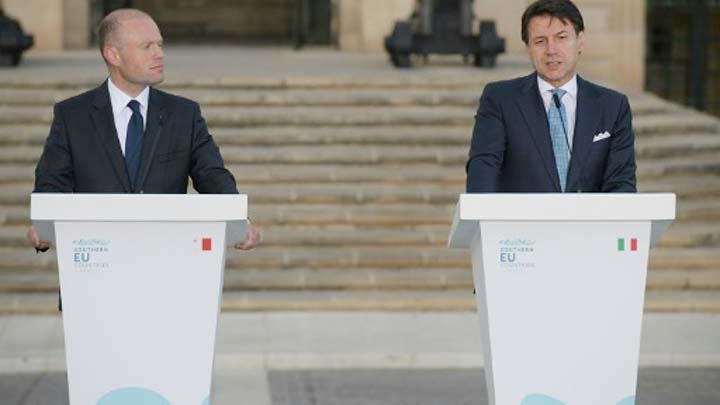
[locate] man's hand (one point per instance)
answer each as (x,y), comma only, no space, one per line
(253,238)
(34,239)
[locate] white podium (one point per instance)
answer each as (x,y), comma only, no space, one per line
(560,285)
(141,281)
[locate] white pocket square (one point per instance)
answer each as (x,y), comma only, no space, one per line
(601,136)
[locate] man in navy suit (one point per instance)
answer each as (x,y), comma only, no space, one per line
(126,136)
(552,131)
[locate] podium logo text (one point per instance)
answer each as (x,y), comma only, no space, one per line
(517,254)
(90,254)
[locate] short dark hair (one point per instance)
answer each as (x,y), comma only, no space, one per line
(564,10)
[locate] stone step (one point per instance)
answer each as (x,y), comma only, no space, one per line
(679,145)
(679,235)
(391,81)
(640,104)
(274,135)
(287,258)
(395,155)
(703,163)
(287,279)
(389,193)
(23,174)
(31,282)
(221,116)
(683,280)
(706,257)
(35,134)
(704,210)
(677,123)
(396,215)
(288,97)
(311,214)
(300,116)
(312,193)
(18,174)
(686,187)
(330,154)
(683,301)
(343,257)
(403,300)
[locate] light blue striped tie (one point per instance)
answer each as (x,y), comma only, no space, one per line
(558,137)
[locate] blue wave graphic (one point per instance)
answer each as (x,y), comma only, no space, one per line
(540,399)
(132,396)
(627,401)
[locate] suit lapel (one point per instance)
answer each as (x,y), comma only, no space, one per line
(532,109)
(102,117)
(587,117)
(156,116)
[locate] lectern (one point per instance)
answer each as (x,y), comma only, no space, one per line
(141,280)
(560,284)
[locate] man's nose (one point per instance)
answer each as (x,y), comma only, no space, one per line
(551,47)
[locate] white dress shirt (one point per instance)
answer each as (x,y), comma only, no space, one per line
(569,100)
(122,113)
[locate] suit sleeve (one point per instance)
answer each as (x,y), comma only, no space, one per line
(620,167)
(487,148)
(207,168)
(54,172)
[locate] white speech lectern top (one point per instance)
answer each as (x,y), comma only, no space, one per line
(560,285)
(141,282)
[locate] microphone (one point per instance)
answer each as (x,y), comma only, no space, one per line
(556,101)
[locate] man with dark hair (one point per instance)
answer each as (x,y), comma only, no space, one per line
(552,131)
(125,136)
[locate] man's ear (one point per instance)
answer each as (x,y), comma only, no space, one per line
(111,55)
(581,42)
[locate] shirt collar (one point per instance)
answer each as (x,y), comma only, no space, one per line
(120,100)
(570,87)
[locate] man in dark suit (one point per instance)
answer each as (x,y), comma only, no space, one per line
(552,131)
(128,137)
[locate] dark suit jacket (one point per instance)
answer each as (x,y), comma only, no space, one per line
(511,150)
(82,153)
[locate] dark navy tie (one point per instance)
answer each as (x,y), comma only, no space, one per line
(133,142)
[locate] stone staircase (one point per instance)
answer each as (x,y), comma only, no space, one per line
(354,184)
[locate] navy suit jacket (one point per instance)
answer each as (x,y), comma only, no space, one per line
(511,150)
(82,153)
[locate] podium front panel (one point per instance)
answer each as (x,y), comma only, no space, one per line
(140,309)
(561,305)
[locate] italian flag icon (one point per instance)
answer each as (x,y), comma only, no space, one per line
(627,244)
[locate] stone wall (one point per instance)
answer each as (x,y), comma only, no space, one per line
(56,24)
(255,21)
(363,24)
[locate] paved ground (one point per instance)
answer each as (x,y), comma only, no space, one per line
(364,358)
(241,65)
(657,386)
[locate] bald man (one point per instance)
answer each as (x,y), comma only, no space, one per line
(125,136)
